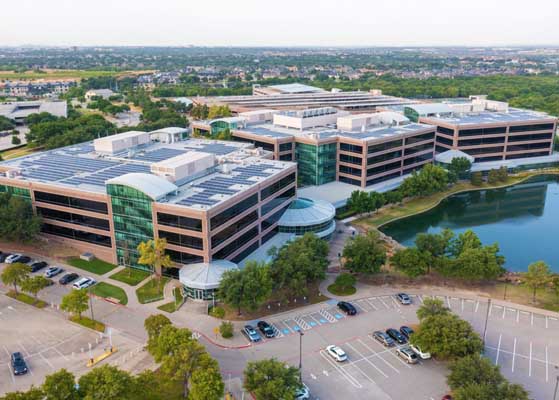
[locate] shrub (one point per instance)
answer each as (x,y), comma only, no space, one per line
(226,330)
(217,312)
(345,281)
(476,178)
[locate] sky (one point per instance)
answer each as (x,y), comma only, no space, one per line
(279,23)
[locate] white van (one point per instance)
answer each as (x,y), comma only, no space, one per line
(84,283)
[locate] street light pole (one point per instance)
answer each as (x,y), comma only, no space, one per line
(486,319)
(301,356)
(556,384)
(91,304)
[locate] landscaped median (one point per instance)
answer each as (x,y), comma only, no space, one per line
(130,276)
(27,299)
(151,291)
(88,323)
(110,292)
(95,266)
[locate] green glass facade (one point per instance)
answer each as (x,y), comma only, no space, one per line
(316,164)
(133,224)
(15,191)
(220,126)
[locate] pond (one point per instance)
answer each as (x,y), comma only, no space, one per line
(523,219)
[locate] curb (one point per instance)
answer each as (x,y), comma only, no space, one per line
(245,346)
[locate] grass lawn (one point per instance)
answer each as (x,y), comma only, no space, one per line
(168,307)
(421,204)
(522,294)
(24,298)
(88,323)
(103,289)
(96,266)
(130,276)
(339,291)
(151,291)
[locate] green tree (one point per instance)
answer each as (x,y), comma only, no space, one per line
(364,253)
(493,177)
(476,178)
(106,383)
(431,308)
(430,179)
(152,253)
(393,197)
(17,221)
(246,288)
(478,264)
(16,140)
(75,302)
(271,380)
(411,261)
(447,336)
(206,382)
(538,275)
(34,285)
(503,173)
(32,394)
(473,369)
(358,201)
(60,385)
(460,166)
(15,274)
(436,245)
(466,240)
(345,281)
(6,124)
(153,326)
(226,329)
(170,338)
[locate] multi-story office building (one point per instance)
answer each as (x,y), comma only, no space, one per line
(332,145)
(488,130)
(211,200)
(19,110)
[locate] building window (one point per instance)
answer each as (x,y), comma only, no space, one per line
(352,148)
(528,146)
(349,170)
(486,140)
(537,154)
(383,178)
(16,191)
(349,180)
(351,159)
(444,140)
(182,240)
(233,211)
(418,159)
(485,150)
(526,128)
(384,168)
(525,138)
(72,218)
(270,235)
(482,131)
(276,201)
(71,202)
(445,131)
(417,149)
(277,186)
(274,218)
(420,138)
(285,147)
(184,258)
(234,228)
(245,253)
(316,165)
(301,230)
(384,157)
(384,146)
(286,157)
(76,234)
(236,244)
(178,221)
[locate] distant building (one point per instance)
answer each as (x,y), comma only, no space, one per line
(19,110)
(289,88)
(103,93)
(35,88)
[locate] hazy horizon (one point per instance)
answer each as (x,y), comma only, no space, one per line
(291,23)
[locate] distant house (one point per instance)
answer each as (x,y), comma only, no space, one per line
(103,93)
(19,110)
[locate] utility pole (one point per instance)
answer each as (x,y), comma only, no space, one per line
(301,356)
(486,319)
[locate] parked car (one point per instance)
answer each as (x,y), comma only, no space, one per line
(396,335)
(422,354)
(38,265)
(251,334)
(19,258)
(404,299)
(68,278)
(407,354)
(336,353)
(303,393)
(19,367)
(53,271)
(266,329)
(346,307)
(383,338)
(3,256)
(447,397)
(406,331)
(84,283)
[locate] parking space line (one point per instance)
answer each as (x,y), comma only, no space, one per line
(498,349)
(532,320)
(513,355)
(530,361)
(360,306)
(23,348)
(546,365)
(462,305)
(382,301)
(504,312)
(546,322)
(477,306)
(47,361)
(350,378)
(517,316)
(315,320)
(11,374)
(378,355)
(59,352)
(395,302)
(371,304)
(327,315)
(367,360)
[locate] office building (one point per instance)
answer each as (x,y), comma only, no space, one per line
(19,110)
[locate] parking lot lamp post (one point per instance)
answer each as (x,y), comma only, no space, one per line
(486,319)
(91,303)
(556,384)
(301,356)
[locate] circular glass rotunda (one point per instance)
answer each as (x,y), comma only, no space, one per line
(307,215)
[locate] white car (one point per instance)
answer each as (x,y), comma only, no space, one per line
(336,353)
(53,271)
(303,393)
(13,258)
(421,354)
(407,354)
(84,283)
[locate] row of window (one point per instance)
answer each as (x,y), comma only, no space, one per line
(72,218)
(383,178)
(420,138)
(536,154)
(233,211)
(476,142)
(182,240)
(243,254)
(285,146)
(384,168)
(236,244)
(177,221)
(72,202)
(417,159)
(441,139)
(232,229)
(272,219)
(384,146)
(523,138)
(351,159)
(350,170)
(76,234)
(301,230)
(184,258)
(352,148)
(286,157)
(527,128)
(417,149)
(482,131)
(277,186)
(384,157)
(345,179)
(528,146)
(276,201)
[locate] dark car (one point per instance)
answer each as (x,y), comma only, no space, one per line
(383,338)
(346,307)
(406,331)
(19,367)
(38,265)
(68,278)
(266,329)
(3,256)
(396,335)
